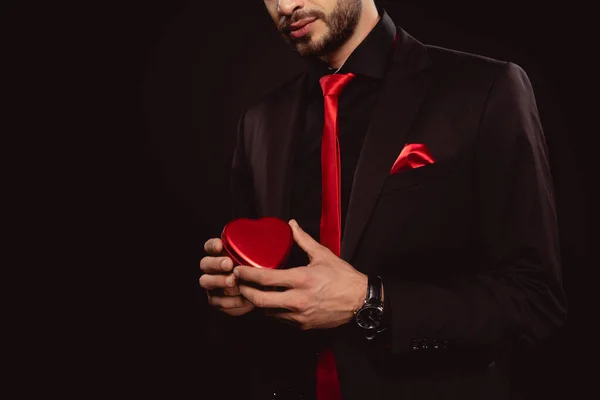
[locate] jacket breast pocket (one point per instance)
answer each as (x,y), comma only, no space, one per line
(416,176)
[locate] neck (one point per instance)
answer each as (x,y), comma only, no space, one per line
(368,19)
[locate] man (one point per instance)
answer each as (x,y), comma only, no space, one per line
(416,182)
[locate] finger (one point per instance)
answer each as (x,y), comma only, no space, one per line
(213,246)
(289,278)
(234,312)
(267,299)
(231,291)
(216,265)
(228,291)
(304,240)
(227,302)
(211,282)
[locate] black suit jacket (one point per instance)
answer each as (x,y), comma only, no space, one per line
(467,246)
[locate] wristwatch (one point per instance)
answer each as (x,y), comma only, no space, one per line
(369,316)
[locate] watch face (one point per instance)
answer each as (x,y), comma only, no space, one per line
(369,317)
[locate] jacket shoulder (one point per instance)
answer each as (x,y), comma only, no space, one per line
(470,70)
(456,59)
(276,95)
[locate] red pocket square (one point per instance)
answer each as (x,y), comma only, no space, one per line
(413,155)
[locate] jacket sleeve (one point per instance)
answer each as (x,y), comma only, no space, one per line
(232,337)
(518,294)
(257,345)
(241,186)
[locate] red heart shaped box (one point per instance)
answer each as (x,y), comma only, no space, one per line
(264,242)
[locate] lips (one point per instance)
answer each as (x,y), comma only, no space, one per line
(299,24)
(300,28)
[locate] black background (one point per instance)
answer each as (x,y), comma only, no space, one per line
(178,75)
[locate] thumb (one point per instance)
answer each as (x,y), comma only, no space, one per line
(304,240)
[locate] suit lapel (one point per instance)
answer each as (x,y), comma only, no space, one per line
(404,90)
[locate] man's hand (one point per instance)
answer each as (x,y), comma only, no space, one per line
(323,294)
(219,283)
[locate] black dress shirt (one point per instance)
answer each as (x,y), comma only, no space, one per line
(369,63)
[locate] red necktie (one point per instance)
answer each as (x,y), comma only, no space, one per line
(331,226)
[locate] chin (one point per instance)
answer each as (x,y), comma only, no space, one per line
(304,50)
(310,47)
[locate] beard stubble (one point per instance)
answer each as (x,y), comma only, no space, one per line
(342,22)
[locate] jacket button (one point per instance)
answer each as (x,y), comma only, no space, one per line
(416,344)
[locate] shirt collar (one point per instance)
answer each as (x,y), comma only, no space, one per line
(369,59)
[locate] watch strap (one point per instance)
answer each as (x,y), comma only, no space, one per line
(374,290)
